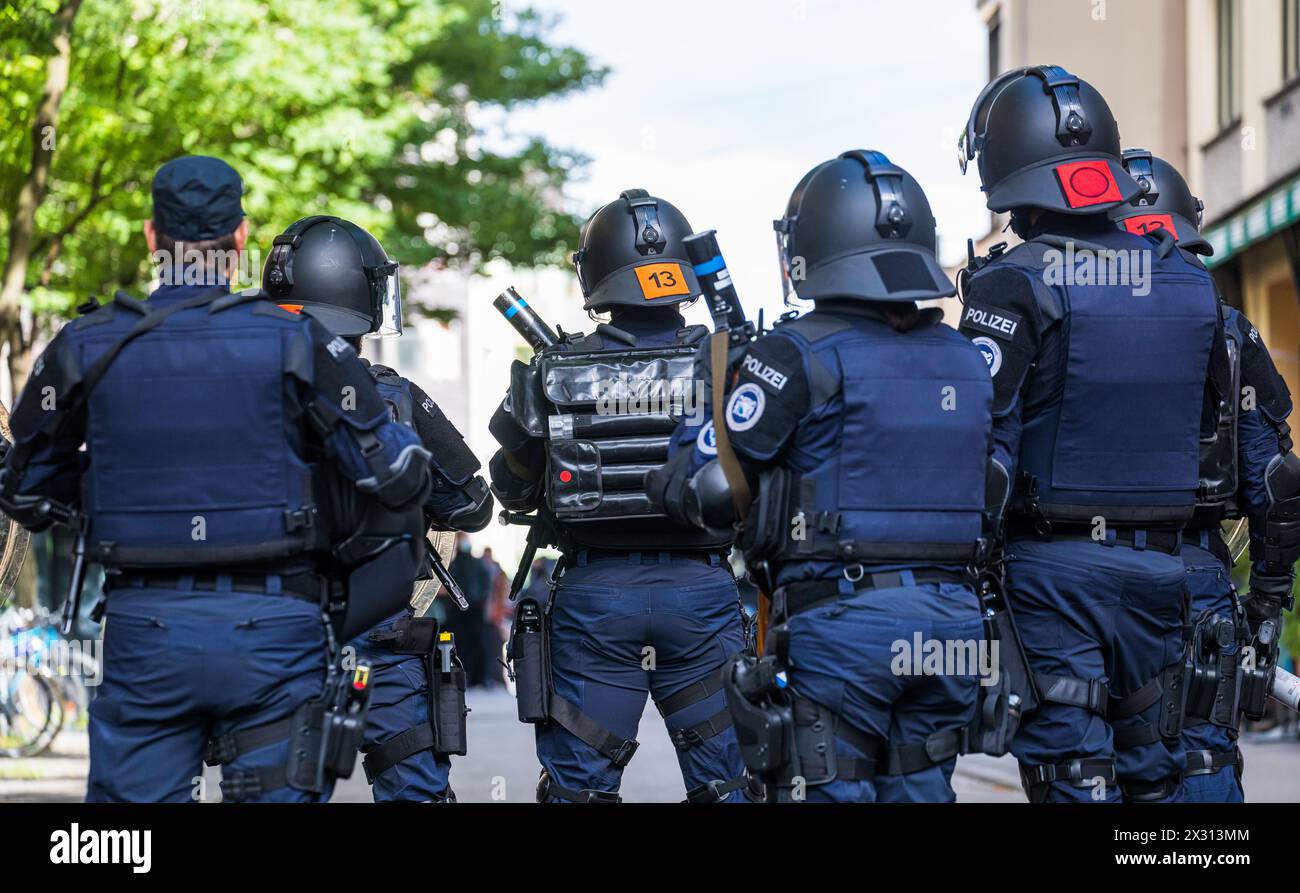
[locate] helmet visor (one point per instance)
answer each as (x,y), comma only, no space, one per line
(791,269)
(386,296)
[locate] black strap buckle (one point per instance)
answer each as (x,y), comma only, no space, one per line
(623,755)
(685,739)
(302,519)
(714,791)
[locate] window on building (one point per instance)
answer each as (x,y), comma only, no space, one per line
(995,39)
(1290,40)
(1229,62)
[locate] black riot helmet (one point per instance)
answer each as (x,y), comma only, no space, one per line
(1163,202)
(630,252)
(333,270)
(1045,139)
(859,226)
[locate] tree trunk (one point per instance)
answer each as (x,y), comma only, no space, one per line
(23,220)
(22,229)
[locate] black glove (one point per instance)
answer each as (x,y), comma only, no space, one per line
(1269,595)
(667,485)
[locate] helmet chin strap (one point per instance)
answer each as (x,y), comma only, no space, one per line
(1023,220)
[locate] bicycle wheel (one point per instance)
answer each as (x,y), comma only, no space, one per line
(30,714)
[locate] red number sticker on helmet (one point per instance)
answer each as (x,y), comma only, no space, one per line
(1147,223)
(1087,183)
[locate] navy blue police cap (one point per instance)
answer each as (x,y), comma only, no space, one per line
(196,197)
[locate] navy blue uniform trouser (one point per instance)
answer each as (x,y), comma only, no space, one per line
(855,657)
(1095,611)
(181,666)
(1210,584)
(620,628)
(399,700)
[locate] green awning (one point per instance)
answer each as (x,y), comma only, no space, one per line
(1274,212)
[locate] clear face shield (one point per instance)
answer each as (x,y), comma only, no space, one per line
(964,153)
(791,267)
(386,297)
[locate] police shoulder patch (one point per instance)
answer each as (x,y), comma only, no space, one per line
(991,352)
(995,321)
(707,440)
(745,407)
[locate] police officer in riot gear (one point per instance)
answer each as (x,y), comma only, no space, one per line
(638,604)
(327,268)
(219,435)
(1247,471)
(864,428)
(1099,395)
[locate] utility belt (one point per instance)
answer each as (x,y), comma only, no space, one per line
(583,557)
(796,598)
(324,735)
(1168,541)
(1209,539)
(445,731)
(305,585)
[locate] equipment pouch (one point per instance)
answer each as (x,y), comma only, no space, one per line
(529,661)
(766,531)
(447,710)
(380,586)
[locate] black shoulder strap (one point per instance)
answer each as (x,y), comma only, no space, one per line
(692,334)
(816,326)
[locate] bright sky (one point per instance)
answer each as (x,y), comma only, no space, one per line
(721,106)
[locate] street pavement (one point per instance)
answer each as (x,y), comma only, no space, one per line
(501,766)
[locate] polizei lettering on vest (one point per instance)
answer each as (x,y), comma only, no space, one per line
(764,372)
(991,322)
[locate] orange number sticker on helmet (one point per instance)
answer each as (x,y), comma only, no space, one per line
(661,281)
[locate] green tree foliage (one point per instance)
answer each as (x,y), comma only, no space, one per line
(390,112)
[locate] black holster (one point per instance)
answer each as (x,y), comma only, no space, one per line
(1214,674)
(324,743)
(1000,707)
(762,716)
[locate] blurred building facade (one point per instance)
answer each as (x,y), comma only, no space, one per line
(465,364)
(1212,86)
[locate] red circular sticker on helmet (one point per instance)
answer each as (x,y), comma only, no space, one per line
(566,476)
(1087,183)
